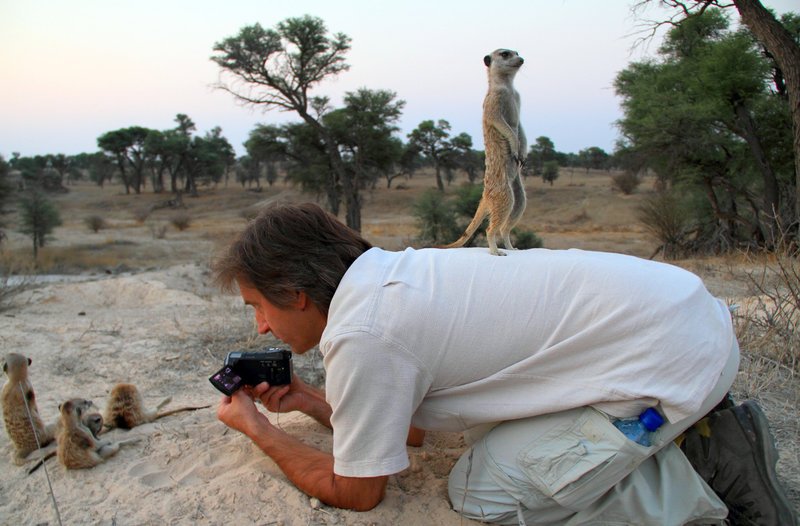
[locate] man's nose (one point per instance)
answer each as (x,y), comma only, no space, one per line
(263,326)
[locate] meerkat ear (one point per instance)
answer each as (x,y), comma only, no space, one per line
(30,361)
(5,367)
(487,60)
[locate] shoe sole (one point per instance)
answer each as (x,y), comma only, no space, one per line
(751,416)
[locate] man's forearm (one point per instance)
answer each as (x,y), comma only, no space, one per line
(311,470)
(317,407)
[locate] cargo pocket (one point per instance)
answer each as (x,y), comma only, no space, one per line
(577,462)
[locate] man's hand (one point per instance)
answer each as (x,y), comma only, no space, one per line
(281,398)
(239,412)
(296,396)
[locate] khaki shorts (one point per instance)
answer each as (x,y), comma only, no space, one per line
(575,467)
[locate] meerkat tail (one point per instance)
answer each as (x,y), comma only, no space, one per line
(180,409)
(164,402)
(477,220)
(42,461)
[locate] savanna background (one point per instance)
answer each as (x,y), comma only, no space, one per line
(104,254)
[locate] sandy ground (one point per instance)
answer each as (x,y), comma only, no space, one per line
(164,329)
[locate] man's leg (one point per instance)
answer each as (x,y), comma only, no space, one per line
(575,467)
(556,468)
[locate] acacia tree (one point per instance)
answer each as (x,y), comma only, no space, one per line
(309,164)
(541,151)
(697,117)
(780,45)
(277,69)
(127,148)
(465,157)
(38,217)
(364,129)
(6,189)
(593,158)
(431,140)
(266,147)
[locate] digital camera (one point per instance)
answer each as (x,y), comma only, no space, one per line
(271,365)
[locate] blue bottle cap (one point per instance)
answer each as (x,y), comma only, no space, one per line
(651,419)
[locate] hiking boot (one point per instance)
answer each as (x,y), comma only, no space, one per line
(734,452)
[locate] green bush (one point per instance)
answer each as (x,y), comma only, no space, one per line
(626,182)
(525,239)
(436,218)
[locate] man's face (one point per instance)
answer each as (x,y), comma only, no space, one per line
(299,325)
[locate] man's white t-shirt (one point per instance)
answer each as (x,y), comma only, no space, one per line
(452,339)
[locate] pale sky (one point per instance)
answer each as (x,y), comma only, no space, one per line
(73,70)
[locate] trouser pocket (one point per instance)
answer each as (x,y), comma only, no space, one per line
(577,461)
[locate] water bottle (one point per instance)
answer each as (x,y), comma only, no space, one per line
(639,429)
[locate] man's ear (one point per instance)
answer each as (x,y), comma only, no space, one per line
(302,300)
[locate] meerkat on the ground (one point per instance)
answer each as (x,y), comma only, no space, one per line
(26,431)
(125,408)
(92,420)
(78,448)
(503,198)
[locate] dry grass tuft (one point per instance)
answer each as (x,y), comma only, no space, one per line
(181,220)
(767,328)
(95,223)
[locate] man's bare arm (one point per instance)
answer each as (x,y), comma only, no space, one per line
(309,469)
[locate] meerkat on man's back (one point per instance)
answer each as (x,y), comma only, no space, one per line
(503,198)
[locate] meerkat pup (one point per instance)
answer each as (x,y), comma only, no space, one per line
(26,431)
(78,448)
(92,420)
(503,198)
(125,408)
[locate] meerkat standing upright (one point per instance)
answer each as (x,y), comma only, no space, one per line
(503,198)
(23,424)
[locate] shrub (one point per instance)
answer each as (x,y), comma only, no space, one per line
(250,213)
(663,217)
(159,231)
(435,218)
(550,172)
(181,221)
(467,199)
(141,214)
(773,316)
(525,239)
(95,223)
(626,182)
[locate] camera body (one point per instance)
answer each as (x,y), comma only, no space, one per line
(272,365)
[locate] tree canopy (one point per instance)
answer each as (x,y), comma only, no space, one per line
(704,117)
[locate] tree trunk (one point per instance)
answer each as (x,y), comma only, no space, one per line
(350,188)
(747,129)
(780,44)
(439,182)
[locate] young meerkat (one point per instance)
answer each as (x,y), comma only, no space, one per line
(503,198)
(92,420)
(78,448)
(23,428)
(125,408)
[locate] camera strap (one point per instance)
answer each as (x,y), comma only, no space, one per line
(39,446)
